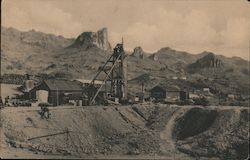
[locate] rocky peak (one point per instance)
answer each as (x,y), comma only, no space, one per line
(210,60)
(205,53)
(138,52)
(90,39)
(166,50)
(209,55)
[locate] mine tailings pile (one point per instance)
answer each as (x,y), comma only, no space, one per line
(185,132)
(222,133)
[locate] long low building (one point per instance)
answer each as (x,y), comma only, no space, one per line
(58,92)
(169,93)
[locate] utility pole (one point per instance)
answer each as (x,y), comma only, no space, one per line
(67,137)
(142,91)
(57,96)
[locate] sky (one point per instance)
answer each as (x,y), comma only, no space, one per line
(220,26)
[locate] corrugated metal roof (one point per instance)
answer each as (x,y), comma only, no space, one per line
(62,85)
(89,81)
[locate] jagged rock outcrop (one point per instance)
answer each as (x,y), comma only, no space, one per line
(208,61)
(90,39)
(138,52)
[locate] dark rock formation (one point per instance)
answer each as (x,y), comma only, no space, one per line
(208,61)
(90,39)
(138,52)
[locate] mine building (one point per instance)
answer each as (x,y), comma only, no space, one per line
(85,82)
(58,92)
(168,93)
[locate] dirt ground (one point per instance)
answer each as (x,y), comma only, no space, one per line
(148,131)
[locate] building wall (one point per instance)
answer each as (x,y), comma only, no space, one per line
(33,94)
(42,96)
(158,94)
(172,95)
(169,95)
(58,97)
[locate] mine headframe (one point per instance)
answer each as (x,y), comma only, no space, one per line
(113,75)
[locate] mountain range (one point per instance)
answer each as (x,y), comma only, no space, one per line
(34,52)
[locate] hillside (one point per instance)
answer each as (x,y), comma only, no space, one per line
(35,52)
(130,132)
(24,44)
(225,74)
(17,47)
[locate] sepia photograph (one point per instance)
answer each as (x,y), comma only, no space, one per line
(125,79)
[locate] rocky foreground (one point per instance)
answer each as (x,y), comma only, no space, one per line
(138,131)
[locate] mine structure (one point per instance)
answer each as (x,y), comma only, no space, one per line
(114,82)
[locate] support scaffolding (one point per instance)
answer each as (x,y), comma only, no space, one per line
(115,78)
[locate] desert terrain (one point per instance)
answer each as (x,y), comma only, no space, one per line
(150,131)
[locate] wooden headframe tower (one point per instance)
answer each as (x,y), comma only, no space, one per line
(115,77)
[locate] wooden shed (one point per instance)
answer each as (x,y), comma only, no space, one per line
(59,91)
(163,92)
